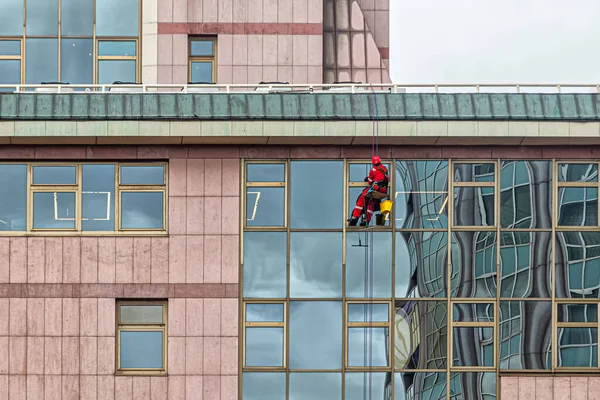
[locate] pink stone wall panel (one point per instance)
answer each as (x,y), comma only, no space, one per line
(549,388)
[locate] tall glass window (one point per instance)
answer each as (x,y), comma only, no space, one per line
(202,59)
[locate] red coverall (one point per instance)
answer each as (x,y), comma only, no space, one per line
(377,174)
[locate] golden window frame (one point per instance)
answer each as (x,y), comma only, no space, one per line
(211,58)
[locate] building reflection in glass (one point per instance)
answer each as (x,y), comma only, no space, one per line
(420,386)
(473,385)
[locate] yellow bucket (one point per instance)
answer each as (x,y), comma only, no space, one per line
(385,207)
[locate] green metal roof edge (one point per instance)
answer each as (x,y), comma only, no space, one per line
(299,106)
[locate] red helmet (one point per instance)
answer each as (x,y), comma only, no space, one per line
(376,160)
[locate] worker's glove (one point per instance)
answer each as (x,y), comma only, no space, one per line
(367,179)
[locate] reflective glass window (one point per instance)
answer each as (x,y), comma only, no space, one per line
(142,175)
(427,385)
(473,385)
(42,17)
(13,197)
(202,71)
(362,386)
(525,335)
(316,264)
(110,71)
(77,61)
(365,279)
(151,314)
(577,264)
(10,73)
(265,206)
(578,313)
(141,349)
(317,194)
(421,264)
(473,347)
(421,194)
(125,22)
(98,197)
(54,210)
(368,312)
(473,312)
(265,172)
(368,347)
(525,260)
(421,334)
(142,210)
(77,17)
(474,206)
(315,386)
(116,48)
(264,347)
(578,172)
(11,17)
(577,347)
(577,206)
(264,312)
(474,264)
(254,384)
(49,175)
(265,264)
(10,47)
(315,335)
(199,48)
(42,61)
(474,172)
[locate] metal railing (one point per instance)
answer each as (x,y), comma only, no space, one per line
(298,88)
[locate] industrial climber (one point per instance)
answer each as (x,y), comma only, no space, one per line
(378,182)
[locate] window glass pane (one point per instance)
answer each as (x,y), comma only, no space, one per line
(265,264)
(264,347)
(254,384)
(201,48)
(421,194)
(110,71)
(374,385)
(77,17)
(265,206)
(578,347)
(117,17)
(141,314)
(364,280)
(10,47)
(577,264)
(315,335)
(318,272)
(475,312)
(46,175)
(474,264)
(143,349)
(368,313)
(315,386)
(525,335)
(474,206)
(370,341)
(421,264)
(429,385)
(317,194)
(577,206)
(474,172)
(525,258)
(473,347)
(578,172)
(144,175)
(264,312)
(473,385)
(42,17)
(142,210)
(526,194)
(202,71)
(578,312)
(116,48)
(77,61)
(265,172)
(52,210)
(421,333)
(42,61)
(98,197)
(11,17)
(13,197)
(10,73)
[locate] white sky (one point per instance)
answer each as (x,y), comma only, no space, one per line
(495,41)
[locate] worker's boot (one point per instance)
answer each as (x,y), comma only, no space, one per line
(363,223)
(352,221)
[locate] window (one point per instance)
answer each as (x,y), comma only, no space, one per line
(578,194)
(473,342)
(82,198)
(141,337)
(577,336)
(202,59)
(368,325)
(264,334)
(69,41)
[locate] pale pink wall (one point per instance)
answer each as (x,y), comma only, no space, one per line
(550,388)
(57,295)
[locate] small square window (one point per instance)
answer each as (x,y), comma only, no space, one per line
(201,47)
(141,337)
